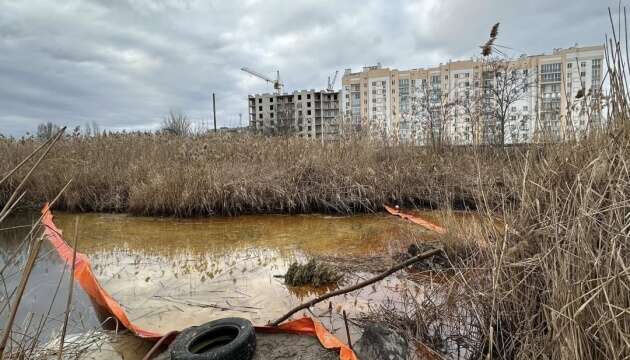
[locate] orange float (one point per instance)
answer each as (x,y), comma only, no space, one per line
(416,220)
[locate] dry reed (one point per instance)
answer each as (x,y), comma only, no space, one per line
(230,175)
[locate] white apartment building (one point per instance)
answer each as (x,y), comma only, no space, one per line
(457,101)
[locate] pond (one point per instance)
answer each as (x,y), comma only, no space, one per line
(173,273)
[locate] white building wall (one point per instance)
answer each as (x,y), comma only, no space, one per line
(378,106)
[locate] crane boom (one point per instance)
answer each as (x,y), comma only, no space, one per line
(276,83)
(257,74)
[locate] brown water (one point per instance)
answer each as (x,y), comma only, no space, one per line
(172,273)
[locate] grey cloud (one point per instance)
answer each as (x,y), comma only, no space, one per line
(125,63)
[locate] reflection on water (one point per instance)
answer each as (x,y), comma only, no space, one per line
(43,305)
(172,273)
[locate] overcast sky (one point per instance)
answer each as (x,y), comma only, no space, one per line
(125,64)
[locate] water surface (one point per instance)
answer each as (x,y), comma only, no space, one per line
(173,273)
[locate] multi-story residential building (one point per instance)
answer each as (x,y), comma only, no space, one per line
(479,100)
(305,113)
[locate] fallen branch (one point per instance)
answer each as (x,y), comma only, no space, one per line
(360,285)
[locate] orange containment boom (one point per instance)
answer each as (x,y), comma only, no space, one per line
(416,220)
(107,307)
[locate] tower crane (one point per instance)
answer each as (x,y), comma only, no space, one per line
(277,84)
(331,84)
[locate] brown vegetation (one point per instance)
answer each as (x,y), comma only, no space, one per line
(230,175)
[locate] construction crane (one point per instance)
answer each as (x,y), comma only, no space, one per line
(331,84)
(277,84)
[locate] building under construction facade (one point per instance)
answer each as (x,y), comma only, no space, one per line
(304,113)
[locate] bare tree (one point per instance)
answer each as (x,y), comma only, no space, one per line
(470,107)
(177,124)
(429,115)
(504,84)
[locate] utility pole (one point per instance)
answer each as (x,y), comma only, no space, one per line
(240,120)
(214,112)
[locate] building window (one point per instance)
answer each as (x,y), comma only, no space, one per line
(299,97)
(545,68)
(271,107)
(271,116)
(260,116)
(270,99)
(308,104)
(260,108)
(308,96)
(569,65)
(373,83)
(308,112)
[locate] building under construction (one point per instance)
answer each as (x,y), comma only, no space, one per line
(305,113)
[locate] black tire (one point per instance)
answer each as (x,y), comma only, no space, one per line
(223,339)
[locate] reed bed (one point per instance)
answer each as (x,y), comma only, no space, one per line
(149,174)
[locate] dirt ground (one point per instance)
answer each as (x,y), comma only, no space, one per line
(289,346)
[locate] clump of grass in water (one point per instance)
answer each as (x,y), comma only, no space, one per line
(312,273)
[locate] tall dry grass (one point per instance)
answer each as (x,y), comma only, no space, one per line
(229,175)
